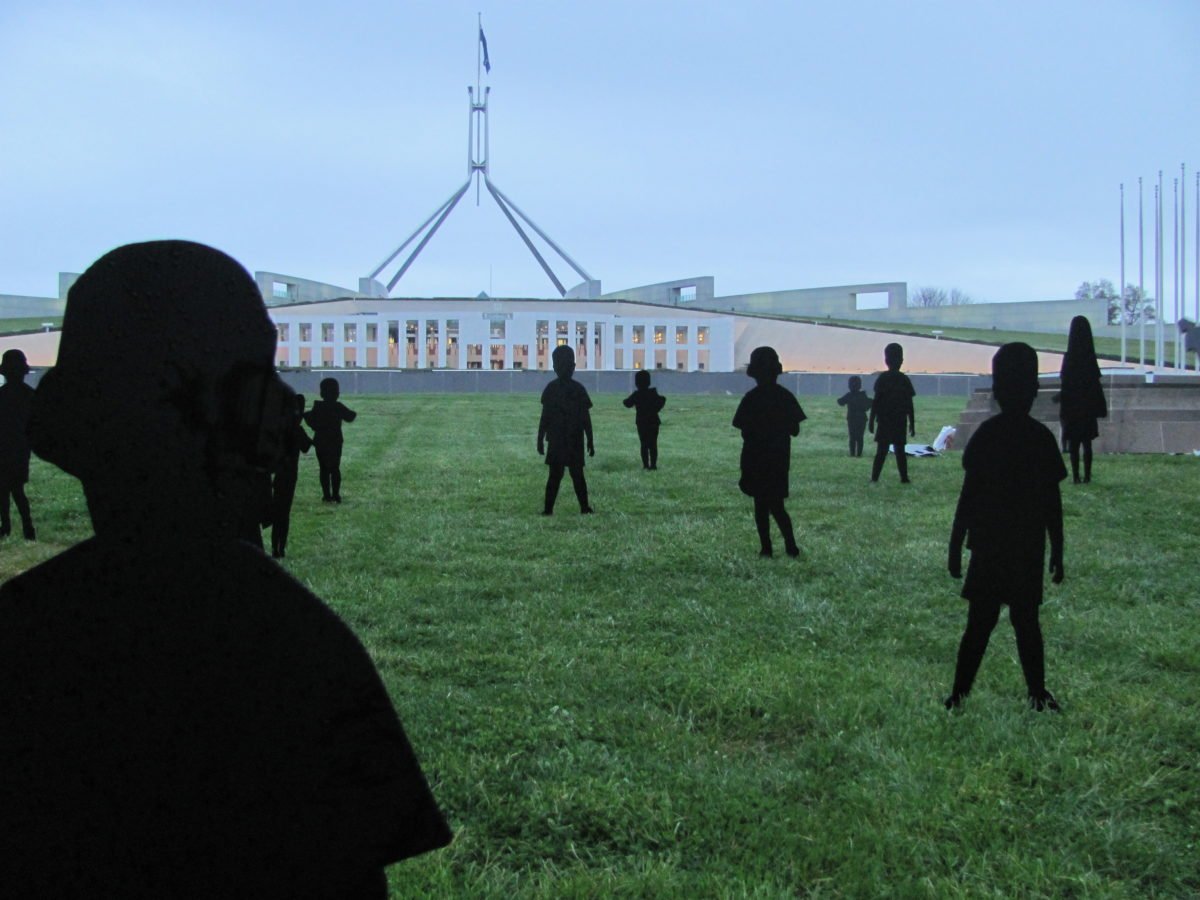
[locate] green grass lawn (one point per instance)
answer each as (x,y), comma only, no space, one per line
(633,704)
(13,326)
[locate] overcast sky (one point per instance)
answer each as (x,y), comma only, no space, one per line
(773,145)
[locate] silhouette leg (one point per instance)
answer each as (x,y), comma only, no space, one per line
(654,449)
(762,521)
(326,493)
(1087,461)
(901,462)
(581,491)
(1073,449)
(335,474)
(1030,648)
(553,480)
(22,502)
(784,521)
(645,454)
(982,616)
(877,466)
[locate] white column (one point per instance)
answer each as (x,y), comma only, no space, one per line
(422,343)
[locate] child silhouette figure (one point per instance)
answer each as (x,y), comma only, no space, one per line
(16,400)
(768,417)
(286,474)
(1081,400)
(1009,503)
(325,419)
(890,410)
(648,403)
(857,404)
(564,425)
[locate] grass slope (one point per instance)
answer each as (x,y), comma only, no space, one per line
(633,704)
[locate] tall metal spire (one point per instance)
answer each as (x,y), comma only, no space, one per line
(478,170)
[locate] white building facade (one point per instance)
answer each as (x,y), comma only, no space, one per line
(500,334)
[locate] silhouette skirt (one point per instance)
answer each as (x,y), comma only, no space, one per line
(1004,581)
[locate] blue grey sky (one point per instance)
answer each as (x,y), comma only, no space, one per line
(774,145)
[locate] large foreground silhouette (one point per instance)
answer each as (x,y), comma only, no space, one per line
(178,716)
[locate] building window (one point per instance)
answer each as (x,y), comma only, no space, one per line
(305,332)
(327,333)
(372,334)
(283,332)
(639,334)
(687,293)
(681,334)
(350,333)
(618,335)
(660,334)
(701,334)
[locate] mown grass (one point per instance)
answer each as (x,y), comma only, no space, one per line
(36,323)
(633,704)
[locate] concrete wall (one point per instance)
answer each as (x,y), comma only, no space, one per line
(839,302)
(1044,316)
(828,348)
(300,290)
(17,306)
(666,293)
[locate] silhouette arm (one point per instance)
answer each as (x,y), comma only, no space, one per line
(541,437)
(630,400)
(587,432)
(348,415)
(958,531)
(1054,525)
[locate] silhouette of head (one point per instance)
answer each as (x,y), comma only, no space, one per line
(164,393)
(13,365)
(1079,339)
(330,389)
(893,356)
(855,383)
(764,364)
(563,359)
(1015,377)
(642,379)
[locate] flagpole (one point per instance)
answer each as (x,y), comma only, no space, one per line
(1175,268)
(1198,263)
(478,97)
(1157,276)
(1141,281)
(1121,287)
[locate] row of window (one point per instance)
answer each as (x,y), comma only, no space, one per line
(498,330)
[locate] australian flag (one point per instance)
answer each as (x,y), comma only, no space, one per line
(483,41)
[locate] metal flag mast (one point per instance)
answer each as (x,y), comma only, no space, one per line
(478,170)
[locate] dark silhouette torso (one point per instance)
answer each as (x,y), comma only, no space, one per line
(191,721)
(768,417)
(565,405)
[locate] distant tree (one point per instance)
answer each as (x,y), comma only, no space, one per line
(959,298)
(935,296)
(1138,307)
(927,296)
